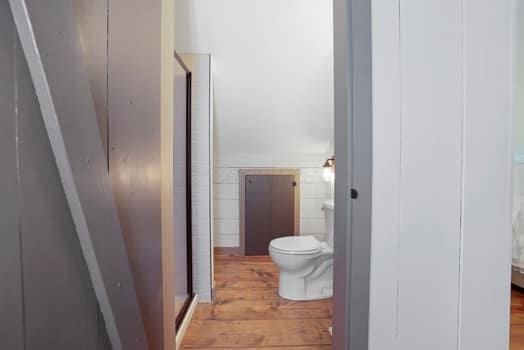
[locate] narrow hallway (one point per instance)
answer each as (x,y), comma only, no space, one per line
(247,312)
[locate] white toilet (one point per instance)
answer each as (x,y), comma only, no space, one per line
(306,264)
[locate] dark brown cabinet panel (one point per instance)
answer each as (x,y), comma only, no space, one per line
(269,210)
(282,188)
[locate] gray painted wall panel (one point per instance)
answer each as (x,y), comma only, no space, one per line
(353,150)
(134,137)
(91,20)
(59,67)
(61,310)
(11,308)
(60,304)
(67,80)
(91,17)
(103,339)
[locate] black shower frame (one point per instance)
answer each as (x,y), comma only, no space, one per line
(189,215)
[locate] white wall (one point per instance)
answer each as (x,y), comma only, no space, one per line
(441,184)
(486,228)
(273,94)
(273,71)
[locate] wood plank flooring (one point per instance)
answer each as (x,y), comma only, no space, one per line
(517,319)
(247,312)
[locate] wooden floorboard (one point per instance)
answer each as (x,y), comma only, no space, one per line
(247,312)
(307,347)
(263,310)
(517,319)
(245,294)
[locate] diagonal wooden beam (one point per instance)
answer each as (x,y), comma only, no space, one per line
(53,53)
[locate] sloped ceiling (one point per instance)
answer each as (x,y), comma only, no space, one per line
(273,71)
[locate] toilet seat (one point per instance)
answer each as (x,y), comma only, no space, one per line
(296,245)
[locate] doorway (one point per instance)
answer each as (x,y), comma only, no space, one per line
(269,110)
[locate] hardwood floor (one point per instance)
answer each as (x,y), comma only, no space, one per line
(248,313)
(517,319)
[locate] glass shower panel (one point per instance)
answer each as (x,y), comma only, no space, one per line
(182,189)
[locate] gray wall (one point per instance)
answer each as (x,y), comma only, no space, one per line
(11,324)
(123,59)
(46,297)
(91,18)
(134,147)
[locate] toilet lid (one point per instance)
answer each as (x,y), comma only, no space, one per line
(296,244)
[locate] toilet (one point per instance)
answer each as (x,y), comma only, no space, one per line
(305,263)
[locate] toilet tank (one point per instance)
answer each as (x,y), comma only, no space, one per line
(329,221)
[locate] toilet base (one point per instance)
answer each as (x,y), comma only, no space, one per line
(302,288)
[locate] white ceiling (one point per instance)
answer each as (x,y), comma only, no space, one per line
(273,71)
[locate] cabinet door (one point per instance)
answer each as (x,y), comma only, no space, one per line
(282,189)
(258,214)
(270,209)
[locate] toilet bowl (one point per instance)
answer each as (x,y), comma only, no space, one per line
(305,263)
(306,267)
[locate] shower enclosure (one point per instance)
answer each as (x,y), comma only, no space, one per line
(182,189)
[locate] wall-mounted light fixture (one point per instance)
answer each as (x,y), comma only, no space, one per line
(329,169)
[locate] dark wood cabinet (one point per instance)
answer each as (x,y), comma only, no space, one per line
(269,210)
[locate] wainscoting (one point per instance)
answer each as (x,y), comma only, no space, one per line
(226,196)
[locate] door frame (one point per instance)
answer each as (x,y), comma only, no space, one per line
(353,113)
(242,201)
(181,316)
(352,21)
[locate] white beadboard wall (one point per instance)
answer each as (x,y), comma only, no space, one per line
(313,191)
(441,234)
(199,64)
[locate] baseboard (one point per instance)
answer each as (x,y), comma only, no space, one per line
(185,323)
(228,251)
